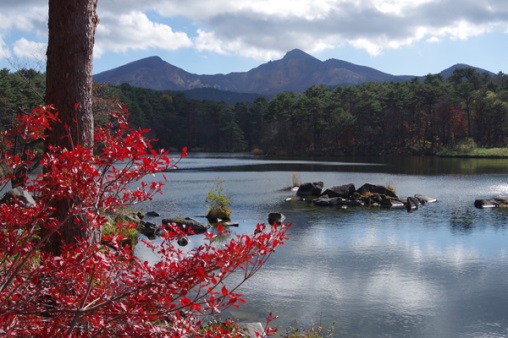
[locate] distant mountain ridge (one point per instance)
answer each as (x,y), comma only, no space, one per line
(296,71)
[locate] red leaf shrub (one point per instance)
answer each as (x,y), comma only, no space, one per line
(91,289)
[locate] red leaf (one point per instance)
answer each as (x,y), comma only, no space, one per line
(184,152)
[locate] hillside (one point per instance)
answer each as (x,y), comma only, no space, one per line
(296,71)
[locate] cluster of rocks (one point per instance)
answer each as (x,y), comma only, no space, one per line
(367,195)
(494,202)
(188,225)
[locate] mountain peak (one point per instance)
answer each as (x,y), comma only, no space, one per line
(449,71)
(297,54)
(151,60)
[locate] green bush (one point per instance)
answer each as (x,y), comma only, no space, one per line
(218,202)
(466,145)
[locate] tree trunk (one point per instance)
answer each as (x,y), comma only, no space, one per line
(69,69)
(71,27)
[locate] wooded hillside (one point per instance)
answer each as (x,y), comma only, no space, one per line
(415,117)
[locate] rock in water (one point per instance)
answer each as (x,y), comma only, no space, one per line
(371,189)
(412,204)
(343,191)
(276,217)
(310,189)
(325,200)
(486,203)
(185,224)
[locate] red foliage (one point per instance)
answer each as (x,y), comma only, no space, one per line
(96,290)
(457,121)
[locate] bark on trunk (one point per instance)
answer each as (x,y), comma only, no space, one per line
(71,27)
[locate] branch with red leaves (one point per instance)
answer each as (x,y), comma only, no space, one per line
(95,290)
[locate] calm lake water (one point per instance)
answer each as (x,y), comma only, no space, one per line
(441,271)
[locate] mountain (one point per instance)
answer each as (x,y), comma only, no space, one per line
(151,73)
(449,71)
(296,71)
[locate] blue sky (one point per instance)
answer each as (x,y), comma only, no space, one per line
(401,37)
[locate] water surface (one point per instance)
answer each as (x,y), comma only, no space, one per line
(438,272)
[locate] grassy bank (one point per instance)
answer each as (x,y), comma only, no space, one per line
(468,148)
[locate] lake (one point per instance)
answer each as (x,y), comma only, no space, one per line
(441,271)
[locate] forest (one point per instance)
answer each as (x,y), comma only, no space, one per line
(422,116)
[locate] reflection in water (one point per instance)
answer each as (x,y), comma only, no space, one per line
(438,272)
(461,220)
(417,165)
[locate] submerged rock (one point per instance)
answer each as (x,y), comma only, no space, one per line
(325,200)
(188,225)
(424,199)
(152,214)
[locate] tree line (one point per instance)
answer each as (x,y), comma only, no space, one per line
(422,116)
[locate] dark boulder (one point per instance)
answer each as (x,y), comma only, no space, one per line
(188,225)
(412,204)
(486,203)
(216,214)
(182,241)
(309,189)
(276,217)
(370,189)
(343,191)
(390,203)
(496,202)
(152,214)
(148,229)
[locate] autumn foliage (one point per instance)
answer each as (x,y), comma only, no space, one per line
(94,289)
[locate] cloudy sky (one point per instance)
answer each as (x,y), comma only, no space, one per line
(401,37)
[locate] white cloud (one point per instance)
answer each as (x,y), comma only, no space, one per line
(304,9)
(29,49)
(265,29)
(30,19)
(374,48)
(207,41)
(463,30)
(397,7)
(4,51)
(134,31)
